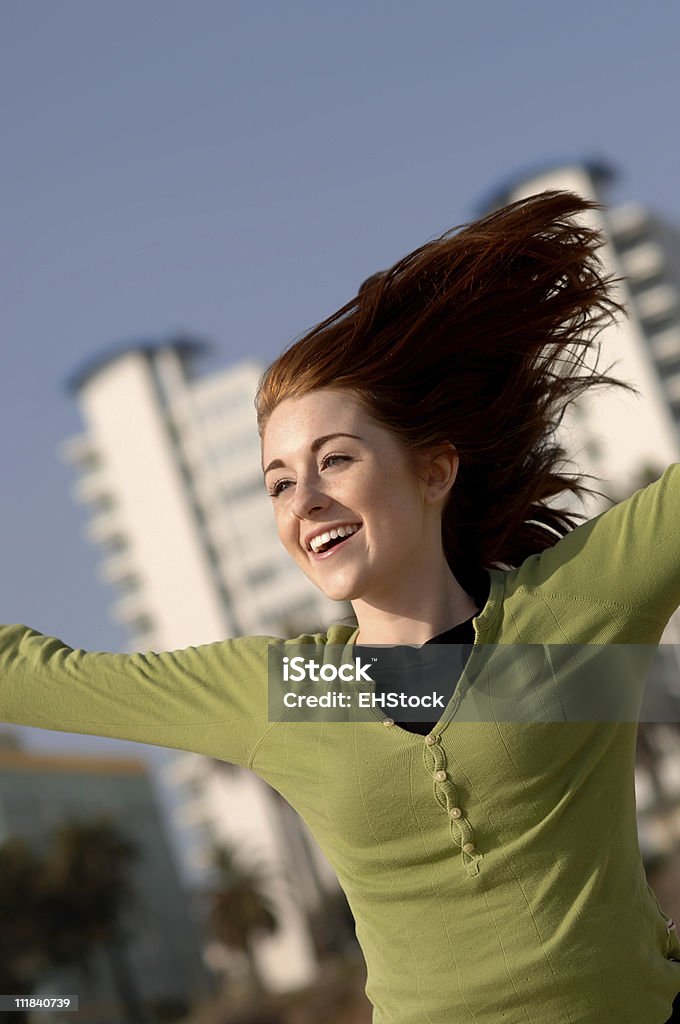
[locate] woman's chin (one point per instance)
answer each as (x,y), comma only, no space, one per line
(337,593)
(337,590)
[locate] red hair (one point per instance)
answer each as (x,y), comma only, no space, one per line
(478,338)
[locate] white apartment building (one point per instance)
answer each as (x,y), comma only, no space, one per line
(169,467)
(609,433)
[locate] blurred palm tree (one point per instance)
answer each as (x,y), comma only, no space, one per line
(86,894)
(57,909)
(241,908)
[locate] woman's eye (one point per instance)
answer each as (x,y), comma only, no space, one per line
(277,488)
(328,458)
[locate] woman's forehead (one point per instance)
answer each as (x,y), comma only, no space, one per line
(298,423)
(330,408)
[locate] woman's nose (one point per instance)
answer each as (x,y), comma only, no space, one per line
(308,498)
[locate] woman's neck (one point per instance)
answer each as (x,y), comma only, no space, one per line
(444,607)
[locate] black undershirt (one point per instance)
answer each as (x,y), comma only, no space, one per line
(414,674)
(462,634)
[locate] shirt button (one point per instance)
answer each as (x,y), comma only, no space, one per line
(388,721)
(456,812)
(469,848)
(430,739)
(440,776)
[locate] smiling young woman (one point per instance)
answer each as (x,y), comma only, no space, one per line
(489,854)
(392,568)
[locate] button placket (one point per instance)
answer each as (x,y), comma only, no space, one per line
(434,758)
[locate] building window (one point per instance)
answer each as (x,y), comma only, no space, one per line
(114,543)
(246,489)
(128,584)
(192,788)
(141,624)
(90,462)
(260,574)
(101,503)
(639,286)
(661,323)
(593,449)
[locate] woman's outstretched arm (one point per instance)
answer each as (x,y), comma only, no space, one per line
(210,699)
(624,562)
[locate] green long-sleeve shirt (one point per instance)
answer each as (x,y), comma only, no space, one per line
(492,866)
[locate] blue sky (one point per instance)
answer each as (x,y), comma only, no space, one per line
(236,169)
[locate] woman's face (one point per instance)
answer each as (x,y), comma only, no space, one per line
(362,478)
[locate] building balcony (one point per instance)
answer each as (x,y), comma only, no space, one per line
(666,345)
(80,452)
(672,385)
(116,567)
(131,609)
(642,262)
(93,489)
(657,303)
(627,221)
(103,526)
(183,768)
(192,813)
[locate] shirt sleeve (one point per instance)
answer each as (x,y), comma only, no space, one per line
(627,559)
(210,699)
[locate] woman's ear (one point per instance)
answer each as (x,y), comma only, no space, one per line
(439,470)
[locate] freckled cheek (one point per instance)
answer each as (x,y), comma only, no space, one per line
(286,534)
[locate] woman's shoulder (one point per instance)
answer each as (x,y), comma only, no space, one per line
(627,557)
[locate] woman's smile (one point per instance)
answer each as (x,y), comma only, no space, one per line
(337,545)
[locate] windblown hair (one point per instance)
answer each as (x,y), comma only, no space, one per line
(477,338)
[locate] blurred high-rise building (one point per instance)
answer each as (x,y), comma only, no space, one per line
(621,439)
(169,468)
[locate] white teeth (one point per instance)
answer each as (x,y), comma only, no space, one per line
(341,531)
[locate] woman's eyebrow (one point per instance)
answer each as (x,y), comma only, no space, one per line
(314,447)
